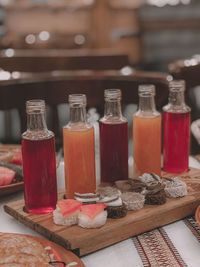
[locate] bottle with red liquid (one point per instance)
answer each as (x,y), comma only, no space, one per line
(113,139)
(176,130)
(39,162)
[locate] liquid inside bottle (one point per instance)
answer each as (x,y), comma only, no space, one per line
(79,149)
(147,134)
(113,139)
(176,130)
(39,163)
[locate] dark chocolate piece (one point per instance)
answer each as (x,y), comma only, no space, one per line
(116,212)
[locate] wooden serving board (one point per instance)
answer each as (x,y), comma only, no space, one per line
(83,241)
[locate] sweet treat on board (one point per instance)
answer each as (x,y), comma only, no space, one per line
(20,250)
(130,185)
(148,178)
(111,197)
(133,200)
(66,212)
(155,194)
(107,191)
(88,198)
(115,207)
(92,215)
(174,187)
(6,176)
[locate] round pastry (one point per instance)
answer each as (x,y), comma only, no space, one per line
(115,207)
(174,188)
(116,212)
(108,191)
(88,198)
(155,194)
(130,185)
(92,215)
(148,178)
(111,197)
(133,201)
(20,250)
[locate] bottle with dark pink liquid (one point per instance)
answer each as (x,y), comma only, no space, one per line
(39,162)
(176,130)
(113,139)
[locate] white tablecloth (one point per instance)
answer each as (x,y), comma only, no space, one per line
(125,253)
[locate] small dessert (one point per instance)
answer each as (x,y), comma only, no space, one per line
(88,198)
(16,168)
(92,215)
(115,207)
(133,200)
(17,158)
(108,191)
(66,212)
(148,178)
(130,185)
(155,194)
(6,176)
(174,188)
(111,197)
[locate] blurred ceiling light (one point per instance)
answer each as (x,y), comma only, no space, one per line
(169,78)
(30,39)
(9,52)
(15,74)
(126,70)
(44,36)
(79,39)
(161,3)
(190,62)
(4,75)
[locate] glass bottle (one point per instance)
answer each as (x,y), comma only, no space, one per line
(113,139)
(147,133)
(39,162)
(79,149)
(176,130)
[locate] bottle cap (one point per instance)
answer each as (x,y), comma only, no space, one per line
(77,99)
(146,90)
(177,85)
(112,94)
(35,106)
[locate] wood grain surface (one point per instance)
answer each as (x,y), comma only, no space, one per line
(83,241)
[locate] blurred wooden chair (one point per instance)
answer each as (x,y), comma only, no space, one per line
(55,88)
(189,70)
(40,60)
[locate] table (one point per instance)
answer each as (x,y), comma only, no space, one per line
(176,244)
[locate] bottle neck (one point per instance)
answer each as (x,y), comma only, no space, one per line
(78,114)
(36,122)
(176,98)
(147,104)
(113,109)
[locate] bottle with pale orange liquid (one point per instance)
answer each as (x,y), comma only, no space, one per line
(147,133)
(79,149)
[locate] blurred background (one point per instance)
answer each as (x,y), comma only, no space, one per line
(160,38)
(151,32)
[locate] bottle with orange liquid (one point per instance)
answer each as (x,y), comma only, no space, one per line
(176,130)
(39,161)
(79,149)
(147,133)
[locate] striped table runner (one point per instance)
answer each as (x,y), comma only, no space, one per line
(156,248)
(174,245)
